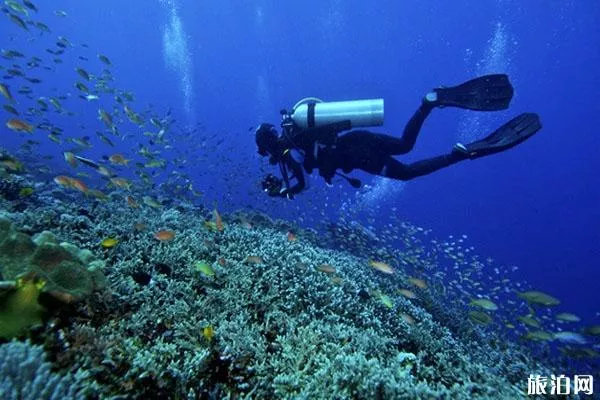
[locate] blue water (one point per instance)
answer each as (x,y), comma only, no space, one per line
(229,65)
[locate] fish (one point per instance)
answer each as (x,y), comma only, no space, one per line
(208,332)
(63,180)
(486,304)
(118,159)
(570,337)
(407,318)
(150,202)
(106,118)
(254,260)
(407,293)
(218,221)
(593,330)
(291,236)
(131,202)
(83,141)
(420,283)
(204,268)
(385,299)
(83,73)
(529,321)
(109,242)
(104,171)
(164,235)
(538,336)
(42,27)
(10,109)
(11,164)
(70,158)
(56,103)
(77,184)
(18,21)
(91,97)
(17,7)
(80,86)
(104,59)
(479,317)
(155,164)
(30,5)
(26,191)
(326,268)
(140,227)
(86,161)
(10,54)
(60,13)
(19,126)
(537,297)
(5,91)
(579,352)
(54,138)
(381,266)
(121,183)
(97,194)
(567,317)
(15,72)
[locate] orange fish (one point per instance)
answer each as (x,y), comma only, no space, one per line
(64,181)
(381,266)
(19,126)
(118,159)
(222,262)
(79,185)
(131,202)
(291,236)
(164,235)
(218,221)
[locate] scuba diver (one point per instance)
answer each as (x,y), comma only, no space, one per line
(310,137)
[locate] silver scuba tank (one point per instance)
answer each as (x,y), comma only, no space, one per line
(311,112)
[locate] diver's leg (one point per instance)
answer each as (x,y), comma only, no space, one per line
(411,131)
(395,169)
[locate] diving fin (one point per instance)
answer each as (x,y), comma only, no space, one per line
(485,93)
(508,135)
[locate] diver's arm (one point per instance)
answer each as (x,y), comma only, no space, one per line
(297,172)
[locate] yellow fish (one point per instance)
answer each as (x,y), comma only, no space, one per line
(109,242)
(205,268)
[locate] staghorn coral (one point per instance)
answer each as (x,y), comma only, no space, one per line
(26,375)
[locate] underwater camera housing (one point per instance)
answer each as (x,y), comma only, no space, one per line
(272,185)
(312,112)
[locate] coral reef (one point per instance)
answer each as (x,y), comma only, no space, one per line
(280,326)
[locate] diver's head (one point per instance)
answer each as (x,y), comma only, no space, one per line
(266,140)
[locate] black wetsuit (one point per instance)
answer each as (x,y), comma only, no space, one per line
(359,149)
